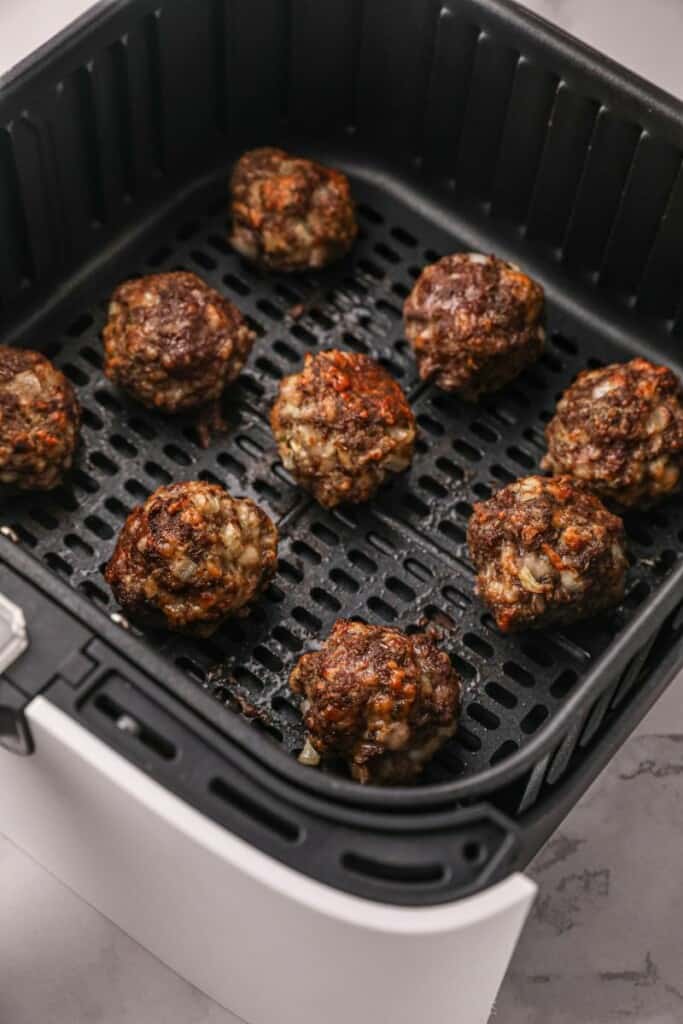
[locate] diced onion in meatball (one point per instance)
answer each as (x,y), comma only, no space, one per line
(39,422)
(619,429)
(289,213)
(342,426)
(191,557)
(546,551)
(381,700)
(173,342)
(475,322)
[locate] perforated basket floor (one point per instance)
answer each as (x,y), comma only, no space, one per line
(401,559)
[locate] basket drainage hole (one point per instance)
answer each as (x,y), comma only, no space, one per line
(381,871)
(475,852)
(257,811)
(134,727)
(80,325)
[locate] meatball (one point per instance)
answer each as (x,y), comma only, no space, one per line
(192,556)
(173,342)
(383,701)
(342,426)
(619,429)
(39,421)
(289,213)
(475,322)
(546,551)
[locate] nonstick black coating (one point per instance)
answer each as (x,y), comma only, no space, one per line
(402,558)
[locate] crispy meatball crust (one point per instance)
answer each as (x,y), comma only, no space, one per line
(383,701)
(39,421)
(289,213)
(546,551)
(342,426)
(619,429)
(173,342)
(192,556)
(475,322)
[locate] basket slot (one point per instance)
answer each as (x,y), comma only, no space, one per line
(659,292)
(632,672)
(324,64)
(455,48)
(597,715)
(564,752)
(534,785)
(571,128)
(16,263)
(610,156)
(643,204)
(524,138)
(489,96)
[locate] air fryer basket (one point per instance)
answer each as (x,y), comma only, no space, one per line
(463,125)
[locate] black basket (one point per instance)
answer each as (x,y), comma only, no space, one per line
(463,125)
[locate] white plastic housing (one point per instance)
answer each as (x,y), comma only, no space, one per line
(263,940)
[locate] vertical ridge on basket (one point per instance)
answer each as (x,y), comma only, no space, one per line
(155,84)
(424,74)
(610,155)
(322,64)
(257,80)
(286,59)
(180,37)
(220,19)
(101,157)
(561,166)
(659,290)
(489,97)
(16,263)
(74,147)
(357,18)
(389,67)
(562,755)
(118,56)
(524,137)
(597,714)
(38,186)
(448,90)
(142,140)
(643,201)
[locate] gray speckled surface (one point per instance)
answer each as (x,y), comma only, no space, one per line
(605,940)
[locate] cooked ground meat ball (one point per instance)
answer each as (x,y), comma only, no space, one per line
(546,551)
(383,701)
(39,421)
(619,429)
(289,213)
(474,323)
(342,426)
(192,556)
(173,342)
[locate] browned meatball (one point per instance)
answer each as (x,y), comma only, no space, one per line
(192,556)
(546,551)
(619,429)
(289,213)
(475,322)
(173,342)
(342,426)
(39,421)
(383,701)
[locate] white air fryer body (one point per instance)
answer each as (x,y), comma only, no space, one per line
(263,940)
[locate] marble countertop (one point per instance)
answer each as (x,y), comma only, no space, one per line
(604,941)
